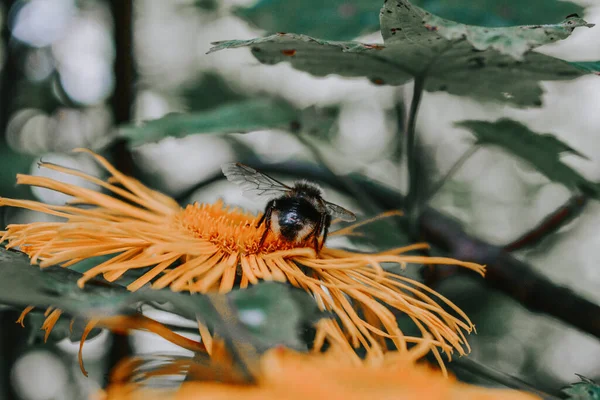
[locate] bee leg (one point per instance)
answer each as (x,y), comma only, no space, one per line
(326,225)
(266,218)
(315,236)
(321,225)
(267,214)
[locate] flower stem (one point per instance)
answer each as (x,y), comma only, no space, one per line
(412,199)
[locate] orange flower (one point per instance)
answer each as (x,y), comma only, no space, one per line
(284,374)
(213,247)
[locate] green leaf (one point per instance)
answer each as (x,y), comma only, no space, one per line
(512,41)
(587,389)
(542,151)
(239,117)
(501,12)
(22,284)
(244,116)
(485,63)
(332,19)
(265,315)
(345,20)
(210,91)
(588,66)
(276,313)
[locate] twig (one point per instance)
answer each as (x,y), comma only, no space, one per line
(457,165)
(467,365)
(550,224)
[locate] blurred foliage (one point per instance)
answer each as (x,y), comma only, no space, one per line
(276,313)
(347,19)
(267,315)
(209,91)
(239,117)
(246,116)
(484,63)
(587,389)
(542,151)
(41,95)
(12,163)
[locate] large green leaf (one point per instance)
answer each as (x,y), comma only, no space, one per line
(267,315)
(344,19)
(542,151)
(484,63)
(239,117)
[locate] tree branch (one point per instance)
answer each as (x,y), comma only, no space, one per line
(511,276)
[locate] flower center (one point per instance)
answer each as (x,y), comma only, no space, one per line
(232,229)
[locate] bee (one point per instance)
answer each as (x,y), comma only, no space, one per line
(295,213)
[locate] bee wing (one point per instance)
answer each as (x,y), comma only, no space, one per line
(339,212)
(255,184)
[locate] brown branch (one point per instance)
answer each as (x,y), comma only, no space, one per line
(511,276)
(550,224)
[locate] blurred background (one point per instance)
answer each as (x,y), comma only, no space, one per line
(73,71)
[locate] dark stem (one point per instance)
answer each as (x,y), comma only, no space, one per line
(10,74)
(457,165)
(550,224)
(121,103)
(401,119)
(12,343)
(12,339)
(122,98)
(412,199)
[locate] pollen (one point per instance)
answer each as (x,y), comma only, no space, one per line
(230,229)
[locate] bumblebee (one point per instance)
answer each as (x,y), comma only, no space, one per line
(296,213)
